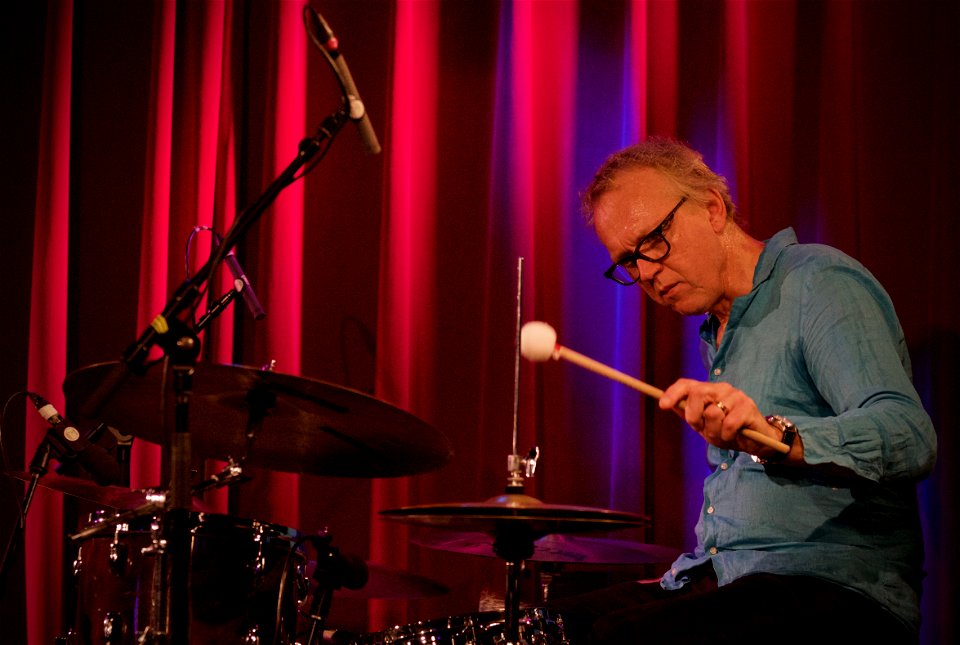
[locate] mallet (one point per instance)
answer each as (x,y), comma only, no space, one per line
(538,343)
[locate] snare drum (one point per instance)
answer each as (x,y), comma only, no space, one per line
(237,581)
(536,627)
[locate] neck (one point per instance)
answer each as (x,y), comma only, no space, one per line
(742,253)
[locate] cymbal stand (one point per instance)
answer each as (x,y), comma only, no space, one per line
(168,331)
(519,468)
(183,353)
(334,570)
(514,542)
(38,468)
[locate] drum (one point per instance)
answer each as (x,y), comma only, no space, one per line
(244,581)
(536,626)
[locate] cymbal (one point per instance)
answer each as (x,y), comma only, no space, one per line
(390,583)
(298,425)
(557,548)
(116,497)
(506,512)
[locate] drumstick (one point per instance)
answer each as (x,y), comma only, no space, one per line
(538,342)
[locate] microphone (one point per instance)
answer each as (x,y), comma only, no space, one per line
(68,445)
(242,284)
(323,38)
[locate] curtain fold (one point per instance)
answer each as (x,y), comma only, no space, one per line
(406,328)
(48,326)
(395,275)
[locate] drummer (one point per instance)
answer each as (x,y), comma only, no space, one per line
(801,344)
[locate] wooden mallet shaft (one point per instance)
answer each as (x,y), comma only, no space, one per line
(586,362)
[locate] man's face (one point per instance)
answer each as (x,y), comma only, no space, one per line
(690,279)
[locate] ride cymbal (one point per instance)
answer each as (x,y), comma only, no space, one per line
(263,418)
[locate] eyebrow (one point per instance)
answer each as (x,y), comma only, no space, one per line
(635,253)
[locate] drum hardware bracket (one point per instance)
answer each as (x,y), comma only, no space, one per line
(229,476)
(521,468)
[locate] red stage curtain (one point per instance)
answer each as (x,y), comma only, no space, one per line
(127,125)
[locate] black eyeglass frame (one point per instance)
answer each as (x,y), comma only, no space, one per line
(632,258)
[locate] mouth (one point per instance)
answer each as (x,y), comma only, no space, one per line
(663,292)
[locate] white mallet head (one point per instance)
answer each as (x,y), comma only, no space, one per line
(538,340)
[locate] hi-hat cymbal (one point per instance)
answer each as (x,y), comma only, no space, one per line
(116,497)
(505,513)
(557,548)
(297,424)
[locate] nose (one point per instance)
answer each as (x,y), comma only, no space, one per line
(647,270)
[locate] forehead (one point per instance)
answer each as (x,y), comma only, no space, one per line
(637,199)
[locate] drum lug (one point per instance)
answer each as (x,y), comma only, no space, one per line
(78,563)
(561,632)
(112,628)
(253,636)
(117,558)
(158,547)
(69,639)
(470,628)
(260,561)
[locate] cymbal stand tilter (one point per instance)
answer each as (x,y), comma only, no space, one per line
(231,475)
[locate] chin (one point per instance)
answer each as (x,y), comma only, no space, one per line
(688,308)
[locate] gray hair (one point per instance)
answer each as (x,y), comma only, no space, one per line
(677,161)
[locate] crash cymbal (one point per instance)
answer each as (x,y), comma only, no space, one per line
(557,548)
(116,497)
(298,425)
(505,513)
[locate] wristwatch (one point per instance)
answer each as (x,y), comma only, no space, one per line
(789,430)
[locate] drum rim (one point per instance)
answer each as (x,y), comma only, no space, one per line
(198,519)
(486,620)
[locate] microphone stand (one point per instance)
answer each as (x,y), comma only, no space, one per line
(38,468)
(180,343)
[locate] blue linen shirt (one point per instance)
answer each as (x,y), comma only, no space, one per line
(817,340)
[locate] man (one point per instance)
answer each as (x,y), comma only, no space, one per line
(802,346)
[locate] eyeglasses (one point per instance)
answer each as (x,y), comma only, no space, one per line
(654,247)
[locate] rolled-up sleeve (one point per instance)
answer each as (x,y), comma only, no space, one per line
(857,357)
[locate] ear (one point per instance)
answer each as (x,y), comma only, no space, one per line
(716,211)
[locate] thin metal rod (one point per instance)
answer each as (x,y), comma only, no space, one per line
(516,365)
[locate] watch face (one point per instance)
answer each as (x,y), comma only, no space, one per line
(787,430)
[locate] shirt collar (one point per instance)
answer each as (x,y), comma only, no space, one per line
(771,252)
(768,259)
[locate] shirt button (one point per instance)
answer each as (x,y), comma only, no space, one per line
(709,510)
(717,371)
(724,466)
(713,550)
